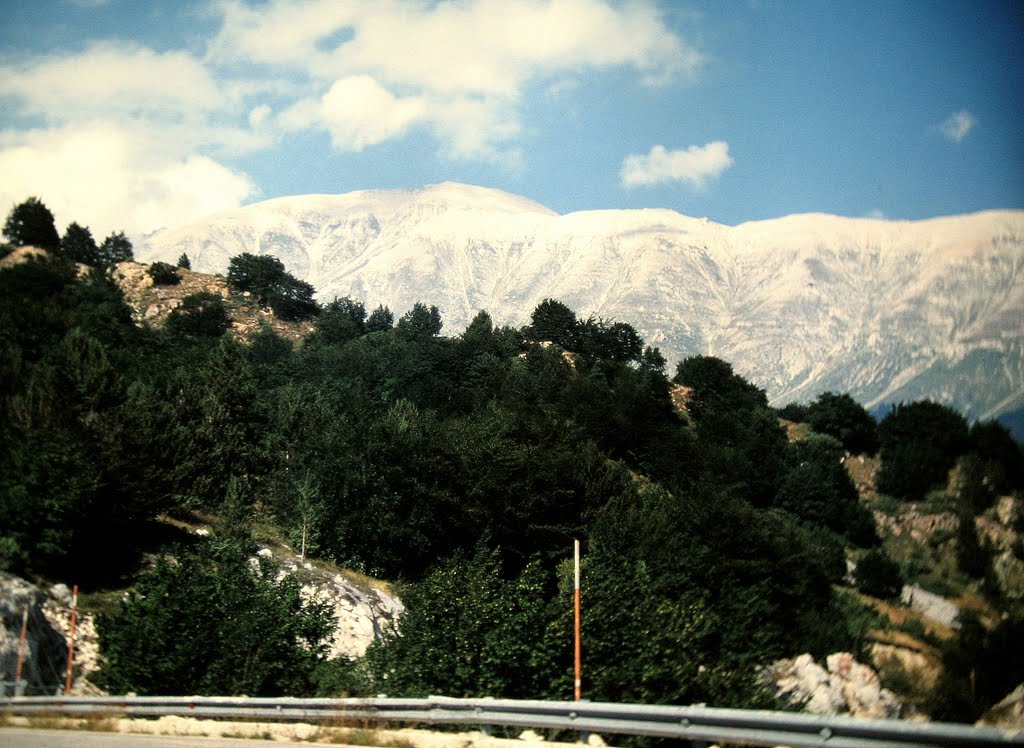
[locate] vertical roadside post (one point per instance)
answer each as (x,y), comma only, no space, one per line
(71,640)
(576,606)
(18,690)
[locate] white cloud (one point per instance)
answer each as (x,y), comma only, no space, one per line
(115,177)
(876,213)
(958,125)
(112,79)
(357,112)
(479,46)
(695,165)
(437,59)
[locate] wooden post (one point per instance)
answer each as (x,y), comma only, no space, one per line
(578,687)
(21,649)
(71,640)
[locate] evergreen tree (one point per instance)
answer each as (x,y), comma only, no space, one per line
(380,320)
(878,575)
(420,322)
(552,320)
(468,633)
(79,246)
(31,223)
(845,419)
(340,321)
(115,248)
(184,262)
(920,443)
(164,274)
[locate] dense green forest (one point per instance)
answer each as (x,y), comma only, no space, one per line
(461,467)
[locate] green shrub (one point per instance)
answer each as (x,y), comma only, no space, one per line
(164,274)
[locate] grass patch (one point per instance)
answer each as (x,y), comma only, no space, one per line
(98,723)
(887,505)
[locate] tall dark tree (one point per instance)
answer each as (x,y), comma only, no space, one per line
(31,223)
(552,320)
(844,418)
(79,246)
(115,248)
(184,262)
(341,320)
(292,299)
(201,314)
(920,443)
(258,275)
(381,319)
(1003,458)
(420,322)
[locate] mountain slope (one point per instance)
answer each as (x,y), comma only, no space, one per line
(887,310)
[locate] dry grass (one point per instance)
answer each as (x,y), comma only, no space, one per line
(899,616)
(97,723)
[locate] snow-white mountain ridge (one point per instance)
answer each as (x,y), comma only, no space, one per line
(885,310)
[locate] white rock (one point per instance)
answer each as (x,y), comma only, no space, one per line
(930,605)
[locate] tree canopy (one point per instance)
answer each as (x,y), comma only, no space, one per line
(31,223)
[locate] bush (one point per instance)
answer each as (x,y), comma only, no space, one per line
(206,622)
(164,274)
(845,419)
(878,575)
(201,314)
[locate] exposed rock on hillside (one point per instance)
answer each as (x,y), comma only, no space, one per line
(846,687)
(45,661)
(912,521)
(363,609)
(151,304)
(1008,714)
(930,605)
(997,528)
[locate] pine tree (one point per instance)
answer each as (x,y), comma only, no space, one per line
(31,223)
(116,248)
(184,262)
(79,246)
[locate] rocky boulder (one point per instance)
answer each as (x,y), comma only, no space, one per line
(844,686)
(930,605)
(45,655)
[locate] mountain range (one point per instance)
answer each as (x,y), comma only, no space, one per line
(886,310)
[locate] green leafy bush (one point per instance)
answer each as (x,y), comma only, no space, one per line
(205,621)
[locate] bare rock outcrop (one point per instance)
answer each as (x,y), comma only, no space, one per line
(1008,714)
(844,686)
(363,609)
(930,605)
(917,524)
(45,653)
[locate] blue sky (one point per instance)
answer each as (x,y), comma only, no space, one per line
(135,115)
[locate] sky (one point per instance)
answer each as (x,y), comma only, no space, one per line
(134,115)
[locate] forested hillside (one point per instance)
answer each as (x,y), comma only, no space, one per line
(461,468)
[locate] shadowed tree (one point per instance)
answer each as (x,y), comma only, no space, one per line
(115,248)
(79,246)
(31,223)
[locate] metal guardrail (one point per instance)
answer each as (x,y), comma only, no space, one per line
(695,723)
